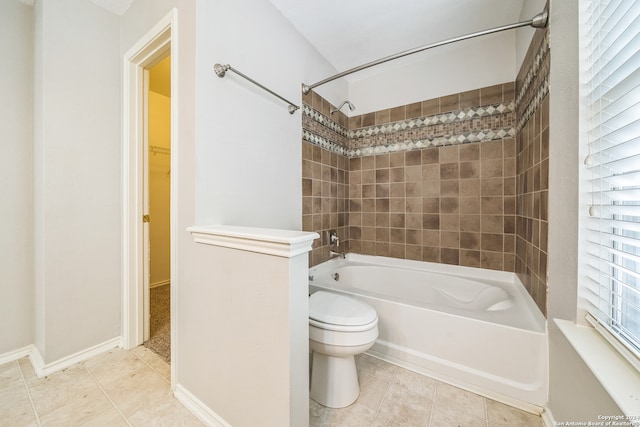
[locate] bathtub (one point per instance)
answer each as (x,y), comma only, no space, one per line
(475,328)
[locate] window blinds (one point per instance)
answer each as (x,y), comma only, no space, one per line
(612,65)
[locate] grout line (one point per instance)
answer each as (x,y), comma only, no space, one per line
(152,368)
(26,386)
(433,404)
(384,395)
(107,395)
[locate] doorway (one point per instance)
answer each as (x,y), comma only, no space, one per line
(156,45)
(157,195)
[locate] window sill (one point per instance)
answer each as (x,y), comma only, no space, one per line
(618,377)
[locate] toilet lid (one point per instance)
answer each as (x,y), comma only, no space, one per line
(335,309)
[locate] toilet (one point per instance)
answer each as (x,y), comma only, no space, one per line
(339,328)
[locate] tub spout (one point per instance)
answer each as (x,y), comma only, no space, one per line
(333,254)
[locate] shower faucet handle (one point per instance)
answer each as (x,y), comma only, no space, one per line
(332,237)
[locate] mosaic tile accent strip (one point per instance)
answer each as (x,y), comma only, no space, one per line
(323,142)
(323,120)
(437,119)
(484,123)
(534,87)
(438,141)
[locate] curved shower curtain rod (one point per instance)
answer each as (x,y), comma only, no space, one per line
(538,21)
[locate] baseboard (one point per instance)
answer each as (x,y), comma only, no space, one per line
(547,418)
(199,409)
(14,355)
(42,369)
(161,283)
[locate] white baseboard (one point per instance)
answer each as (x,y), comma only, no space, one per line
(14,355)
(199,409)
(547,418)
(42,369)
(161,283)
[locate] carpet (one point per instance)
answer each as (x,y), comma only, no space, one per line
(160,322)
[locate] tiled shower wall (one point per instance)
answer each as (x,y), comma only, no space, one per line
(532,180)
(443,188)
(324,174)
(433,180)
(443,180)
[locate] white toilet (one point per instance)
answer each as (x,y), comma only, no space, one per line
(339,328)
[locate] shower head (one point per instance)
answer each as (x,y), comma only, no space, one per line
(351,107)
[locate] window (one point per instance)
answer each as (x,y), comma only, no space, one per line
(611,69)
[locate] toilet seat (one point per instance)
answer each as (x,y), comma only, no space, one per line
(336,312)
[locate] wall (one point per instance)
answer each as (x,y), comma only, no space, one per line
(16,176)
(257,131)
(159,186)
(422,198)
(532,88)
(247,172)
(238,153)
(572,383)
(442,188)
(76,177)
(325,175)
(456,68)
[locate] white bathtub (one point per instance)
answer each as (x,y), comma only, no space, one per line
(475,328)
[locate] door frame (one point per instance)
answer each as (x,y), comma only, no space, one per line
(153,46)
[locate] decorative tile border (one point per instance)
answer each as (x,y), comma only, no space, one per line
(537,73)
(323,120)
(323,142)
(437,119)
(398,128)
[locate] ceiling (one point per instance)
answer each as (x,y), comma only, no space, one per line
(349,33)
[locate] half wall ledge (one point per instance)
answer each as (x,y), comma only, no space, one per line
(269,241)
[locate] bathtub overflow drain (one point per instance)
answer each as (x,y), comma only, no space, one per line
(336,276)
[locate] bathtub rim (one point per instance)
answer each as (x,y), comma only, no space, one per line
(504,279)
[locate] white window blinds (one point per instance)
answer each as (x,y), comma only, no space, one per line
(612,64)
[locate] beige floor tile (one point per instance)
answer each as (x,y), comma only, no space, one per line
(372,390)
(453,402)
(315,412)
(355,415)
(155,361)
(82,410)
(115,365)
(500,414)
(111,418)
(61,391)
(378,368)
(26,367)
(385,422)
(143,388)
(405,407)
(15,406)
(415,383)
(163,412)
(445,417)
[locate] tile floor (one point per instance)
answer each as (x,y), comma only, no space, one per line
(132,388)
(391,396)
(117,388)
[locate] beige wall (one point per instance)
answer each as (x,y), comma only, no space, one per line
(16,176)
(76,177)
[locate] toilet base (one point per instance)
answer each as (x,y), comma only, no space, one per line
(334,380)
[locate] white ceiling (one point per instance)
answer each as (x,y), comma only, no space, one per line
(349,33)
